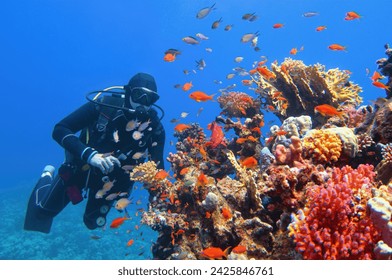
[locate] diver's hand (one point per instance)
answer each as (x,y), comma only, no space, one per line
(105,164)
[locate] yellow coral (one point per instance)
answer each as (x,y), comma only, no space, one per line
(144,172)
(305,87)
(322,146)
(341,89)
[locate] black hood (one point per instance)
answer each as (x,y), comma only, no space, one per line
(139,80)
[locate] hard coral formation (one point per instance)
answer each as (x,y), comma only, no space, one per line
(322,146)
(334,223)
(238,104)
(305,87)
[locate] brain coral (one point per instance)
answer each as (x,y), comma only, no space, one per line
(322,146)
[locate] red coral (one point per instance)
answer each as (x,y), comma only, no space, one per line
(334,224)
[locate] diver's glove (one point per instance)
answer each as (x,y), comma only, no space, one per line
(105,164)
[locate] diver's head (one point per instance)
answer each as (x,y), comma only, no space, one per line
(141,93)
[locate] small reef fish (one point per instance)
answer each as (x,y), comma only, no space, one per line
(184,114)
(116,138)
(200,96)
(228,27)
(247,16)
(190,40)
(277,25)
(95,237)
(310,14)
(249,162)
(215,253)
(169,57)
(181,127)
(187,86)
(226,213)
(337,47)
(202,13)
(137,135)
(131,125)
(327,110)
(199,111)
(266,73)
(161,174)
(139,155)
(209,50)
(321,28)
(376,76)
(238,59)
(201,36)
(239,249)
(112,196)
(293,51)
(230,76)
(130,242)
(173,51)
(201,64)
(144,125)
(216,23)
(118,222)
(217,135)
(380,85)
(122,203)
(249,37)
(352,16)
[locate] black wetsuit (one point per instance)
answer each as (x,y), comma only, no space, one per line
(103,131)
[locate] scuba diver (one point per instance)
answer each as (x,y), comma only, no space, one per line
(118,130)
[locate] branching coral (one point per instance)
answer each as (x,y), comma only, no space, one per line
(334,224)
(305,87)
(322,146)
(238,104)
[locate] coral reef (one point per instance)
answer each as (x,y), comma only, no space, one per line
(301,192)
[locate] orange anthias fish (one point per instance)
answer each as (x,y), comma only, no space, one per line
(215,253)
(336,47)
(240,249)
(266,73)
(293,51)
(202,180)
(249,162)
(277,25)
(130,242)
(200,96)
(226,213)
(217,135)
(376,76)
(352,16)
(187,86)
(169,57)
(118,222)
(161,174)
(321,28)
(327,110)
(181,127)
(380,85)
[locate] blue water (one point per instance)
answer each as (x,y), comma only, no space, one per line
(54,52)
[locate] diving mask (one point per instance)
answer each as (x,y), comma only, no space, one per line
(143,96)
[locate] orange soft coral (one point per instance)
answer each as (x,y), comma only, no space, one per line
(322,146)
(334,225)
